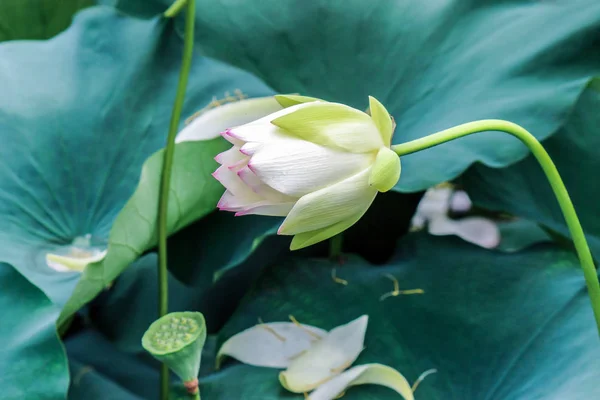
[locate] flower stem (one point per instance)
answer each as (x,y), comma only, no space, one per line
(165,180)
(581,246)
(335,247)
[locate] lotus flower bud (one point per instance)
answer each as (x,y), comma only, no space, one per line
(319,164)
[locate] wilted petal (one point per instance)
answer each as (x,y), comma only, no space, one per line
(333,125)
(374,374)
(326,358)
(328,206)
(477,230)
(212,122)
(271,345)
(296,167)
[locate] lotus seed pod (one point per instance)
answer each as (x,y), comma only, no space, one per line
(168,340)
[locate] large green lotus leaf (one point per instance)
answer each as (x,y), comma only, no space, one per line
(101,372)
(37,19)
(125,311)
(79,115)
(32,359)
(433,64)
(495,326)
(523,189)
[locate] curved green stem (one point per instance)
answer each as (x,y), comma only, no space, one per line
(175,8)
(581,246)
(165,180)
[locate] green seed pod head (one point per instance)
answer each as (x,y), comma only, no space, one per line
(177,340)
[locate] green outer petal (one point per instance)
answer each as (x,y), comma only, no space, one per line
(332,125)
(306,239)
(288,100)
(382,120)
(385,171)
(330,205)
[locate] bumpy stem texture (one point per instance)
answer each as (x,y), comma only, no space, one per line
(581,245)
(165,181)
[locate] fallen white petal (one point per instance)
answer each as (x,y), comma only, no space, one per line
(476,230)
(374,374)
(327,358)
(212,122)
(63,263)
(271,345)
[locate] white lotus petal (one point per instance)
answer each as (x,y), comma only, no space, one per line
(460,201)
(296,167)
(328,206)
(231,156)
(477,230)
(212,122)
(374,374)
(326,358)
(232,182)
(63,263)
(230,202)
(262,130)
(266,208)
(262,189)
(271,345)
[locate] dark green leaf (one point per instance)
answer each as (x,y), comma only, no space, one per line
(496,326)
(523,189)
(433,64)
(79,115)
(37,19)
(32,358)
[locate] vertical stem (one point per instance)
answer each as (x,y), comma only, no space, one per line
(335,247)
(165,181)
(581,245)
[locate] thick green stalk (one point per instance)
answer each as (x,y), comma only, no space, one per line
(581,246)
(165,180)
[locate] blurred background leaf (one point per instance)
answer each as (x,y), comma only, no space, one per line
(37,19)
(501,326)
(32,358)
(522,189)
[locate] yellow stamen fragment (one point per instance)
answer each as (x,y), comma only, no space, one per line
(336,279)
(397,291)
(227,98)
(299,325)
(341,367)
(340,395)
(422,377)
(271,330)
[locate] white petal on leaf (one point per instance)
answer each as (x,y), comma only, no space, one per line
(212,122)
(328,206)
(373,374)
(327,358)
(271,345)
(296,167)
(267,208)
(231,156)
(476,230)
(64,263)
